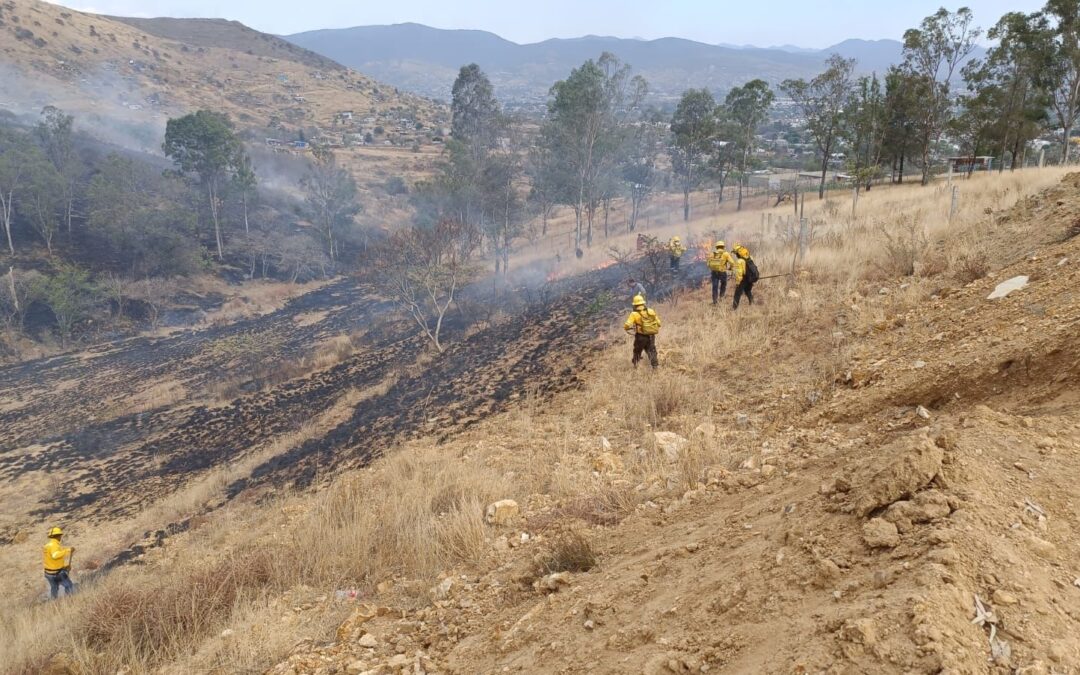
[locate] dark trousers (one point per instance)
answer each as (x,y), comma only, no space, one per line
(57,580)
(719,285)
(647,344)
(675,262)
(745,287)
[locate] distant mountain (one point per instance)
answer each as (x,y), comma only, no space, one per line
(425,60)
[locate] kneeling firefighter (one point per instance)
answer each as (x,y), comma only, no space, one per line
(644,324)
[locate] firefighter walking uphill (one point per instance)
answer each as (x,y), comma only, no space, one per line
(644,324)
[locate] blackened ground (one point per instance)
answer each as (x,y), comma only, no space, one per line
(117,467)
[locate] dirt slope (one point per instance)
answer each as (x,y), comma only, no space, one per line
(917,514)
(131,75)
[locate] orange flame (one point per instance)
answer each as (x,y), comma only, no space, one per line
(702,251)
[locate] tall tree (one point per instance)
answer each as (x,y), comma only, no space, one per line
(639,170)
(16,157)
(866,126)
(55,133)
(934,51)
(474,111)
(725,154)
(246,184)
(45,200)
(330,198)
(1061,68)
(822,101)
(693,130)
(585,128)
(903,92)
(1006,100)
(748,107)
(204,145)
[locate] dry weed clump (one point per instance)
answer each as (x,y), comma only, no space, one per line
(904,243)
(971,266)
(419,514)
(570,552)
(155,621)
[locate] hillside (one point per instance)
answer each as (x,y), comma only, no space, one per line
(127,76)
(843,468)
(425,60)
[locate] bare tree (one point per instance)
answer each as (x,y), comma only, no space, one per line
(423,269)
(331,198)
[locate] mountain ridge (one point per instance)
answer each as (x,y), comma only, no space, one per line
(425,60)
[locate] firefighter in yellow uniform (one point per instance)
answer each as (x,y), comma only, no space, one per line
(746,275)
(644,324)
(720,264)
(676,251)
(58,564)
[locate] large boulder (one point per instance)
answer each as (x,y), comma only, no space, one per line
(901,468)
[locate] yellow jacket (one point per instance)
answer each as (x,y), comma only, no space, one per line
(676,248)
(740,269)
(644,322)
(720,263)
(56,556)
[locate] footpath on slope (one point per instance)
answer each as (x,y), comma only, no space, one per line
(923,517)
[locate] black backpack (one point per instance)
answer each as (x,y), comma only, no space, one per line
(752,274)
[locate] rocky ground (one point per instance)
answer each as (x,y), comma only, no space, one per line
(916,514)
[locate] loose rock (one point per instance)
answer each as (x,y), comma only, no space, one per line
(671,444)
(880,533)
(914,461)
(502,512)
(368,641)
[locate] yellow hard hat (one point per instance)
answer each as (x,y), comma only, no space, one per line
(638,301)
(56,532)
(719,244)
(675,238)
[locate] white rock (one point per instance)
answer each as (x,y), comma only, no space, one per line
(227,632)
(920,364)
(605,444)
(922,412)
(368,641)
(1063,262)
(502,512)
(1007,287)
(742,420)
(671,444)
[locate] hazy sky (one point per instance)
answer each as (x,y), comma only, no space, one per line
(808,23)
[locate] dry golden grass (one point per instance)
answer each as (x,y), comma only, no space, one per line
(417,513)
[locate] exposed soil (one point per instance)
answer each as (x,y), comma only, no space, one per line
(922,518)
